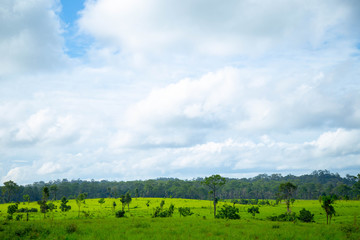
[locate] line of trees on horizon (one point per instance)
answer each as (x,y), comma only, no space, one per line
(263,186)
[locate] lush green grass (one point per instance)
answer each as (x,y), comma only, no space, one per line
(99,222)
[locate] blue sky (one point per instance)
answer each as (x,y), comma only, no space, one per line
(122,90)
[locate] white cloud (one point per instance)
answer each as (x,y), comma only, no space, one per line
(338,143)
(30,36)
(212,27)
(179,89)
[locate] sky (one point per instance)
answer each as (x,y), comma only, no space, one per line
(130,89)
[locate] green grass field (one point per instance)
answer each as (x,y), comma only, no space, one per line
(98,222)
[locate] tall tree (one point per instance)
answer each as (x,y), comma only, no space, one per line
(128,200)
(326,204)
(9,189)
(286,191)
(42,202)
(214,182)
(54,189)
(80,200)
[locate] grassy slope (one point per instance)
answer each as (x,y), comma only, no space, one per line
(139,225)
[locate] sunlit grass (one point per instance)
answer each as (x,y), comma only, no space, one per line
(98,222)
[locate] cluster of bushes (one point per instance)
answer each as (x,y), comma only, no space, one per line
(24,210)
(160,212)
(304,216)
(251,202)
(228,212)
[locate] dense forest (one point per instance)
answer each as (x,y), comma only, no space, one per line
(263,186)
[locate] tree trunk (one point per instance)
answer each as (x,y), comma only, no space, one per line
(214,204)
(327,218)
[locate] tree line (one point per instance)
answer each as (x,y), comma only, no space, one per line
(264,186)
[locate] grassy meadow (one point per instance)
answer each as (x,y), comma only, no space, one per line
(97,221)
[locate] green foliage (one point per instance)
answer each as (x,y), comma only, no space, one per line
(80,200)
(9,189)
(26,198)
(18,217)
(120,214)
(12,209)
(285,217)
(327,202)
(54,189)
(185,211)
(306,216)
(160,212)
(162,203)
(214,182)
(101,201)
(253,210)
(71,228)
(128,200)
(286,191)
(63,206)
(228,212)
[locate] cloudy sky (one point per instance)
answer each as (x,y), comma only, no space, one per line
(130,89)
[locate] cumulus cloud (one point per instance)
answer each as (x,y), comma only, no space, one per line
(215,28)
(338,143)
(179,89)
(30,37)
(234,101)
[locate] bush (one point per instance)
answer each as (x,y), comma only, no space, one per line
(306,216)
(120,214)
(228,212)
(71,228)
(18,217)
(286,217)
(253,210)
(185,211)
(159,212)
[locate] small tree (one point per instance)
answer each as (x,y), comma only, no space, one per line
(63,206)
(214,182)
(42,202)
(54,189)
(286,191)
(114,205)
(123,202)
(253,210)
(136,193)
(128,200)
(80,200)
(26,198)
(327,202)
(11,210)
(51,207)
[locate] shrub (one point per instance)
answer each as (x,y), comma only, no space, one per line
(306,216)
(159,212)
(120,214)
(185,211)
(228,212)
(253,210)
(286,217)
(18,217)
(71,228)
